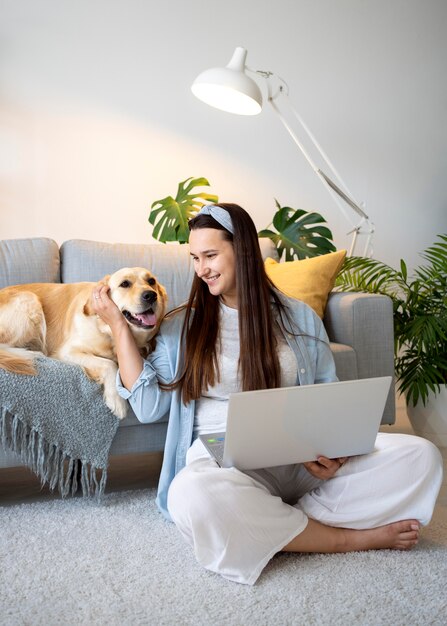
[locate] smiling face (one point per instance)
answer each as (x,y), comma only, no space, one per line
(139,296)
(215,263)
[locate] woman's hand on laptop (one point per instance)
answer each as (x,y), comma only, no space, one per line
(324,468)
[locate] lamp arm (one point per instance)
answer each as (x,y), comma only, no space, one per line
(311,162)
(320,150)
(284,90)
(365,226)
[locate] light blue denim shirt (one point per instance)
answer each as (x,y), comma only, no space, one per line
(150,403)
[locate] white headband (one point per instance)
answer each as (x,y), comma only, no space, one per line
(219,214)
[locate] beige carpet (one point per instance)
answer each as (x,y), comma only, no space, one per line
(75,562)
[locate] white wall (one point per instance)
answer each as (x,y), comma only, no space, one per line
(98,121)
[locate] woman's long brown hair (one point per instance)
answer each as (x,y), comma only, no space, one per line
(258,361)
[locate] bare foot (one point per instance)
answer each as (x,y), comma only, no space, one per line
(317,537)
(396,536)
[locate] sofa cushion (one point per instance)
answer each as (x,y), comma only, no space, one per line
(34,260)
(310,280)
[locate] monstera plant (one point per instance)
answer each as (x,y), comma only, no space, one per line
(298,233)
(170,216)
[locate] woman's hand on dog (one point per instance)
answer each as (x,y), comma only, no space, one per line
(105,308)
(128,356)
(324,468)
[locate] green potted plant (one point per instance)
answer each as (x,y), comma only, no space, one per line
(420,330)
(299,234)
(169,216)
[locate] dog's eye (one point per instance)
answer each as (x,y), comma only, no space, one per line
(125,284)
(151,281)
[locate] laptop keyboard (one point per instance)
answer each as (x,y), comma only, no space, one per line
(218,451)
(215,445)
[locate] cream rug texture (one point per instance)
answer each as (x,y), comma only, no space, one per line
(119,563)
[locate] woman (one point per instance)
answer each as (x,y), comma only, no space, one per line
(238,333)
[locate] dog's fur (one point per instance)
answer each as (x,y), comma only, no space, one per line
(59,321)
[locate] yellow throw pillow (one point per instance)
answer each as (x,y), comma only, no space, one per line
(309,280)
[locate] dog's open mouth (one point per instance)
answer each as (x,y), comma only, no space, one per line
(146,319)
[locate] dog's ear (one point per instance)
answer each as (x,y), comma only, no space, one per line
(163,292)
(104,281)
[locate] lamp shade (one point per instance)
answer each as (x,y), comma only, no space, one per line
(229,88)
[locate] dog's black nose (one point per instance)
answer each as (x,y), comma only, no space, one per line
(149,296)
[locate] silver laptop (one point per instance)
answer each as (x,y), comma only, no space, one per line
(297,424)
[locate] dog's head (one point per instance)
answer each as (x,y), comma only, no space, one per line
(140,297)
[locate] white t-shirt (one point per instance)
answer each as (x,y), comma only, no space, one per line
(212,406)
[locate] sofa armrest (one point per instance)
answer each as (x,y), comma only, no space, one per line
(365,322)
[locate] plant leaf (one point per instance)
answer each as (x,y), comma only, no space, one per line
(420,315)
(170,216)
(298,234)
(403,269)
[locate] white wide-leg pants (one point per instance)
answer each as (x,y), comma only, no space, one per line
(236,521)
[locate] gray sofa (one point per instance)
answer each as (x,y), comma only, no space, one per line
(360,326)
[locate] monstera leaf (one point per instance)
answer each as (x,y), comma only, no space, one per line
(299,233)
(170,216)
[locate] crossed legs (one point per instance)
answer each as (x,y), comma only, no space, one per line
(237,521)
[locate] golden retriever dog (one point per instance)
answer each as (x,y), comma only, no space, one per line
(58,320)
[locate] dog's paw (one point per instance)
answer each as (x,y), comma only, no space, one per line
(117,405)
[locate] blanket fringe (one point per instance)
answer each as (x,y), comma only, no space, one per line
(53,465)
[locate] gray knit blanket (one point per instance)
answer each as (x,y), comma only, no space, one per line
(59,425)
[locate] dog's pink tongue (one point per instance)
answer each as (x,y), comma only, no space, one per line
(148,319)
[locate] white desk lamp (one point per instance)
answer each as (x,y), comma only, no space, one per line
(230,89)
